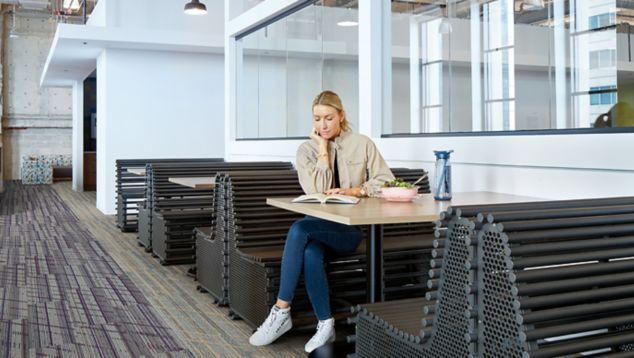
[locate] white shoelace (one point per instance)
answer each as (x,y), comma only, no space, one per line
(270,320)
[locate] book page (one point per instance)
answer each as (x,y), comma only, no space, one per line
(310,198)
(343,199)
(323,198)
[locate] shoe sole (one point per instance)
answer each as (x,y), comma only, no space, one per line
(330,340)
(275,339)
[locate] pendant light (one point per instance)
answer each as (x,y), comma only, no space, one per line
(194,7)
(444,27)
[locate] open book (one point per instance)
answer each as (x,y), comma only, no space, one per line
(323,198)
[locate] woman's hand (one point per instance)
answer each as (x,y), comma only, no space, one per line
(350,191)
(321,141)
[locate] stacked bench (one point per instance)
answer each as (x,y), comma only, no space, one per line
(557,279)
(537,280)
(164,191)
(130,188)
(173,210)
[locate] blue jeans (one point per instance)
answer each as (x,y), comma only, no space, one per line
(307,241)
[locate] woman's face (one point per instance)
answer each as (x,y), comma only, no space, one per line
(327,121)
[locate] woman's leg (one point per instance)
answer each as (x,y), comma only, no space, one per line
(316,280)
(292,258)
(306,242)
(339,238)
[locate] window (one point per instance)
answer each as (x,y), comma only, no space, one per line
(285,64)
(602,95)
(482,66)
(601,20)
(602,58)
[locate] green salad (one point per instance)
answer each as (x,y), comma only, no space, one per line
(398,183)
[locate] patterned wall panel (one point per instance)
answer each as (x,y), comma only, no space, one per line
(39,169)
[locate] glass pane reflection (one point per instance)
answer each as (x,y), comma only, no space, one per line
(516,65)
(284,65)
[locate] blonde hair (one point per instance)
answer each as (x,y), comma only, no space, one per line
(331,99)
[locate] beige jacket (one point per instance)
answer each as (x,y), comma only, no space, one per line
(360,164)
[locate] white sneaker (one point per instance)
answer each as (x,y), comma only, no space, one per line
(325,334)
(275,325)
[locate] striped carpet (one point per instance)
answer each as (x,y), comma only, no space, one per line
(61,294)
(203,327)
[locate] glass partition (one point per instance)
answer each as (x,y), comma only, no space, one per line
(285,64)
(507,65)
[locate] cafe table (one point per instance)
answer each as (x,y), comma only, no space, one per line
(137,171)
(377,212)
(195,182)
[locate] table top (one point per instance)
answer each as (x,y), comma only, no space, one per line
(137,171)
(195,182)
(379,211)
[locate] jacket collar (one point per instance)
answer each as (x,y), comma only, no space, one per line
(341,138)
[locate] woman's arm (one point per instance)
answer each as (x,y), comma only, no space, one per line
(378,171)
(313,169)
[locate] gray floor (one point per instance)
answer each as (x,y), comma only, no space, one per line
(204,328)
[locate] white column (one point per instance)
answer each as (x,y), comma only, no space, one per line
(386,68)
(230,82)
(414,74)
(374,66)
(561,83)
(102,176)
(78,136)
(476,65)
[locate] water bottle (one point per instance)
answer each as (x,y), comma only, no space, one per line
(442,180)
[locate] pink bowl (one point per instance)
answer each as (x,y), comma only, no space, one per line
(399,194)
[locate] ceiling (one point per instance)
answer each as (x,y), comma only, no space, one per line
(67,9)
(524,14)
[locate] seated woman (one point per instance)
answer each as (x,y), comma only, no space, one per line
(333,160)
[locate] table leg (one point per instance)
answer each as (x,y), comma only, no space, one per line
(374,252)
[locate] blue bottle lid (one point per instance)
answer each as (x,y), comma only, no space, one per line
(443,154)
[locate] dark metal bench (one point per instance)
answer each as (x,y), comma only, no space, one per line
(130,188)
(256,234)
(174,210)
(557,279)
(510,296)
(437,325)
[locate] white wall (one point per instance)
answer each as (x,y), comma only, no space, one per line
(98,14)
(546,166)
(153,104)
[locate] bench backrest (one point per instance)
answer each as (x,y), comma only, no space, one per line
(557,269)
(159,189)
